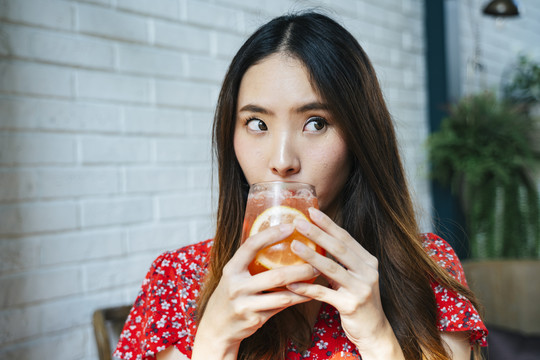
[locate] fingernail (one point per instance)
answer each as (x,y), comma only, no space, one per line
(315,214)
(293,286)
(298,246)
(286,228)
(316,272)
(301,224)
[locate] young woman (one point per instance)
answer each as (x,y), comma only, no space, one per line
(301,102)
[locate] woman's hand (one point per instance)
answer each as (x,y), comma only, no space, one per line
(238,306)
(354,286)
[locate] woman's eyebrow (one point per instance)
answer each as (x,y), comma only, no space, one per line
(255,108)
(315,105)
(312,106)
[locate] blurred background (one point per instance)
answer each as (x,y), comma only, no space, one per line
(105,151)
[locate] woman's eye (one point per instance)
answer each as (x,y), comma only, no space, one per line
(256,125)
(315,124)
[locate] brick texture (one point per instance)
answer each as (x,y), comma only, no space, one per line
(105,162)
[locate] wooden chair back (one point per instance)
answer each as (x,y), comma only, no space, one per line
(108,324)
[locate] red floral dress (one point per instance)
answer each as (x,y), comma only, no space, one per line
(164,312)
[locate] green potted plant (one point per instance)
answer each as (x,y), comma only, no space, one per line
(523,84)
(486,152)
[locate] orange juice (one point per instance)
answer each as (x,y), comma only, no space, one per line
(275,203)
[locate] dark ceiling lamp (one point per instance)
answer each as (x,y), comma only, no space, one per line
(501,8)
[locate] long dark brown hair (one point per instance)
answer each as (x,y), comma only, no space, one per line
(376,207)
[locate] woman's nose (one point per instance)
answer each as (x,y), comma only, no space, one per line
(284,157)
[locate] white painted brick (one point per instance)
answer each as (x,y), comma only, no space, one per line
(116,211)
(389,37)
(253,21)
(155,121)
(205,68)
(18,254)
(201,177)
(227,45)
(61,182)
(68,345)
(19,323)
(17,77)
(280,7)
(250,5)
(378,54)
(411,8)
(112,87)
(382,15)
(34,148)
(389,76)
(413,99)
(99,2)
(55,14)
(408,43)
(133,289)
(412,79)
(24,218)
(181,36)
(184,205)
(155,179)
(30,287)
(183,94)
(361,31)
(58,48)
(18,113)
(76,182)
(222,17)
(52,315)
(151,61)
(347,7)
(201,123)
(77,247)
(110,23)
(158,238)
(114,149)
(161,8)
(205,229)
(110,274)
(183,150)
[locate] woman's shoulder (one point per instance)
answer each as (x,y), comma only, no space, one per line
(188,257)
(191,251)
(455,311)
(444,255)
(164,311)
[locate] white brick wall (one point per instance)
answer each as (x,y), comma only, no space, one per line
(500,43)
(106,110)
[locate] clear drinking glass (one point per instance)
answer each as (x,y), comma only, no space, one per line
(274,203)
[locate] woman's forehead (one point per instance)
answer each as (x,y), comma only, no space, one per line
(277,78)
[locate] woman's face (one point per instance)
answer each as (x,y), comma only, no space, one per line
(285,132)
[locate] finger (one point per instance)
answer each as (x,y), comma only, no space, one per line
(342,281)
(279,277)
(344,300)
(247,251)
(276,301)
(325,223)
(317,292)
(327,266)
(255,310)
(344,249)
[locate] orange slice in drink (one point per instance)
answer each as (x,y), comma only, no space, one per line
(279,254)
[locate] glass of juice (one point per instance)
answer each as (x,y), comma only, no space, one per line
(274,203)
